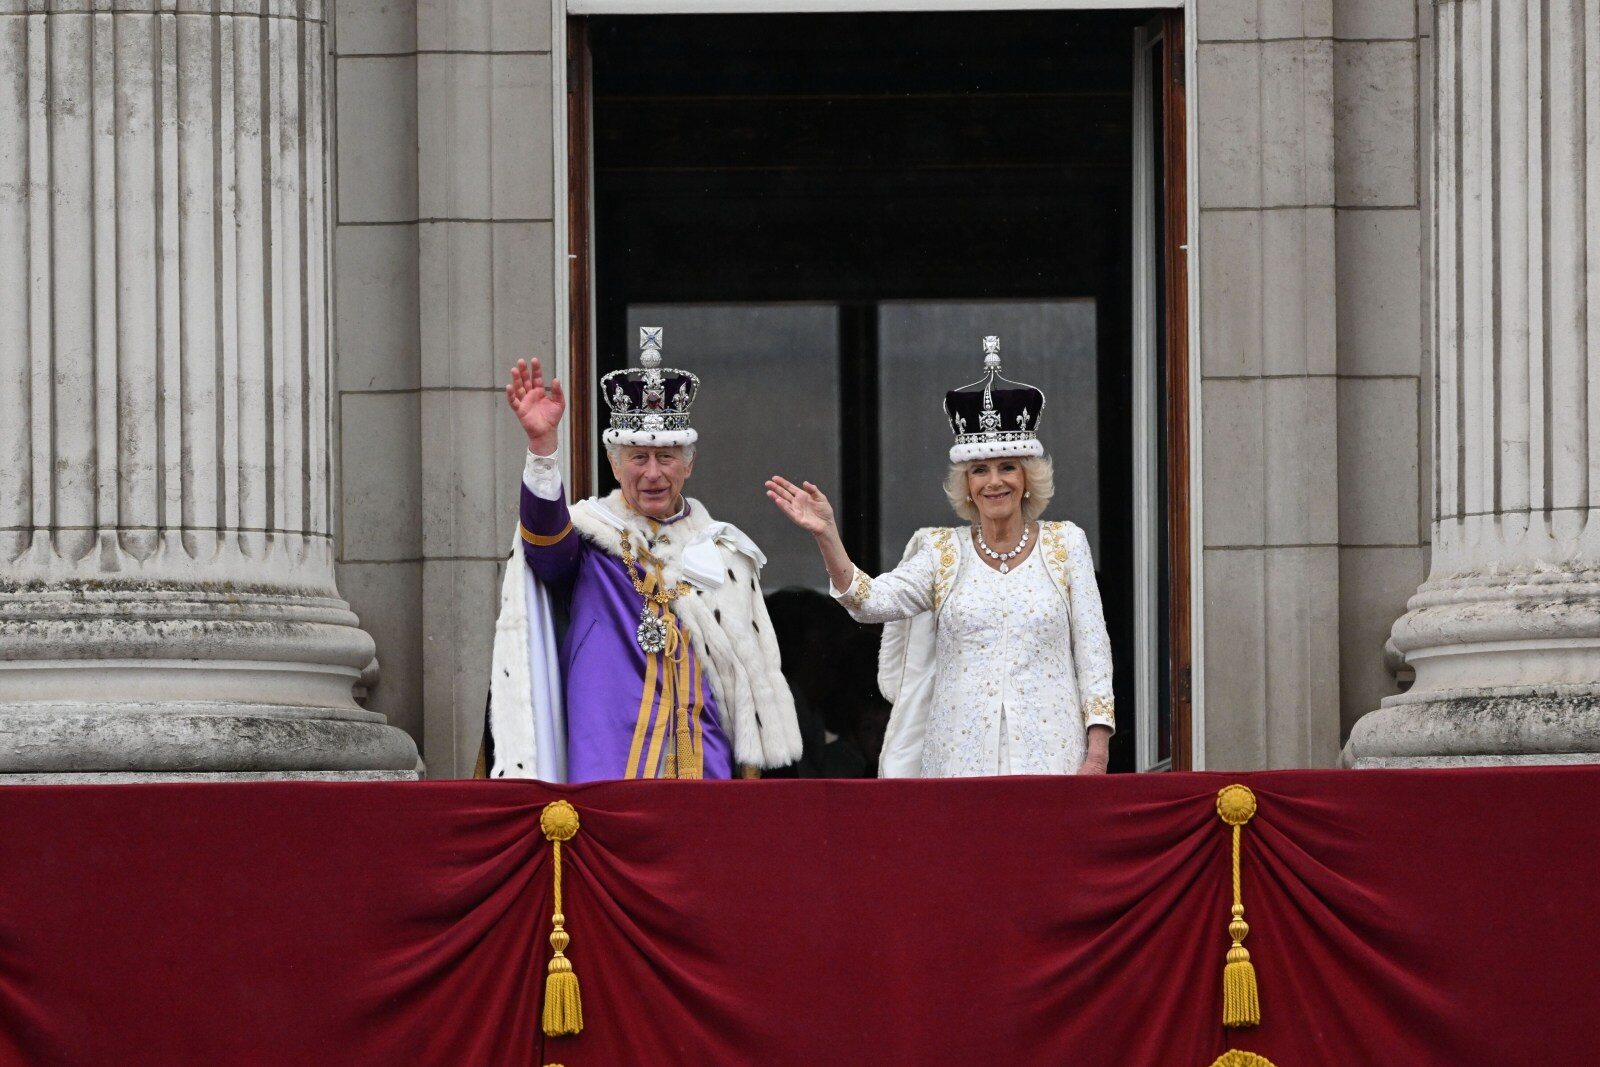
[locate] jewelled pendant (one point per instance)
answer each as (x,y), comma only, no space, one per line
(1005,568)
(652,632)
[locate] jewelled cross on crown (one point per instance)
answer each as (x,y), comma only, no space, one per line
(650,346)
(650,359)
(991,352)
(989,418)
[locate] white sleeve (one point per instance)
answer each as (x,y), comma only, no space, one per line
(542,475)
(902,593)
(1091,645)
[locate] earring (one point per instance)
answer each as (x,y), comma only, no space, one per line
(1026,493)
(969,498)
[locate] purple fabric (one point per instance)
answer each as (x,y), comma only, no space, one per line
(602,665)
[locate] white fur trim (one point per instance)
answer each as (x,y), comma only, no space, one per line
(995,450)
(525,693)
(664,438)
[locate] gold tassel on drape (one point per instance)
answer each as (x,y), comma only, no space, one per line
(1231,1058)
(563,1008)
(1241,1003)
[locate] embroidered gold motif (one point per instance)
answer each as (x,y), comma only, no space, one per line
(860,589)
(944,543)
(1099,708)
(1054,545)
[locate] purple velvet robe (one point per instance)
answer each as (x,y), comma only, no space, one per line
(613,724)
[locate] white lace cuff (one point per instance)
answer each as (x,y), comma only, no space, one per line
(542,475)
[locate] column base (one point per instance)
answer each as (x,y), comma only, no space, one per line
(131,777)
(191,738)
(1480,728)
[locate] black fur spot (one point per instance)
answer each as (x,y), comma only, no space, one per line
(752,583)
(758,718)
(718,613)
(756,625)
(502,774)
(505,672)
(519,766)
(730,574)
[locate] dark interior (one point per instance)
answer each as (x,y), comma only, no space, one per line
(862,159)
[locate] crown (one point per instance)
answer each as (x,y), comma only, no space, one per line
(650,404)
(994,416)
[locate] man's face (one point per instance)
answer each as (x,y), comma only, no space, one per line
(652,479)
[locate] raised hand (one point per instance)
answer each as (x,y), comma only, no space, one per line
(804,504)
(538,407)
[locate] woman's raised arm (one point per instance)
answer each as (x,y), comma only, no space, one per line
(807,507)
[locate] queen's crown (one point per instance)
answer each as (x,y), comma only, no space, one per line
(994,416)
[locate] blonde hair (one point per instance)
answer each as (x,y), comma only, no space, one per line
(1039,479)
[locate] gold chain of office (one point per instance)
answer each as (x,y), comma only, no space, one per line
(653,633)
(660,598)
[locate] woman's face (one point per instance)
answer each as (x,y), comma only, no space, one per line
(996,487)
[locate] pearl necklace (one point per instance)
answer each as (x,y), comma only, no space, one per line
(1003,557)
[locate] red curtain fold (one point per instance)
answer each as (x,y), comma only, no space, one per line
(1412,918)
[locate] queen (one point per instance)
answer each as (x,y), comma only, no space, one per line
(995,654)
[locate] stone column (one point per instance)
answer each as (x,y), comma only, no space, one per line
(167,599)
(1504,636)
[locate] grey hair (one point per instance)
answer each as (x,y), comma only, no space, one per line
(614,452)
(1039,479)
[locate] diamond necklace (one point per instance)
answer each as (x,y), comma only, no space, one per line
(1003,557)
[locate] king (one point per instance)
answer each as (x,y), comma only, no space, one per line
(668,667)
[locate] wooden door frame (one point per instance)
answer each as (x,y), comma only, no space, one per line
(580,259)
(574,241)
(1175,244)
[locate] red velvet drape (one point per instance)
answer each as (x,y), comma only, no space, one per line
(1397,918)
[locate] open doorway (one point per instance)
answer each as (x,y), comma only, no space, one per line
(827,213)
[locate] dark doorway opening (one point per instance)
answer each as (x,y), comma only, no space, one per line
(827,213)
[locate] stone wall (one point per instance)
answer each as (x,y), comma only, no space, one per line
(1381,89)
(444,268)
(377,348)
(1311,361)
(1269,388)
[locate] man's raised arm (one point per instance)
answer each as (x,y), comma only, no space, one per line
(549,543)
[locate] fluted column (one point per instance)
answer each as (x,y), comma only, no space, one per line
(167,599)
(1505,634)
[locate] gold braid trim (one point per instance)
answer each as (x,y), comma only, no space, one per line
(543,540)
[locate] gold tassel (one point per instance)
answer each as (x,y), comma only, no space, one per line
(1241,1003)
(563,1007)
(1231,1058)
